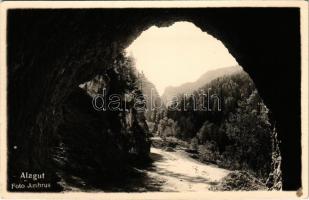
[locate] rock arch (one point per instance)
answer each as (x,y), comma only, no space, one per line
(60,49)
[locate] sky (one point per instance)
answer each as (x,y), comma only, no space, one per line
(180,53)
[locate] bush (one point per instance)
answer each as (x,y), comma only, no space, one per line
(209,152)
(194,144)
(239,180)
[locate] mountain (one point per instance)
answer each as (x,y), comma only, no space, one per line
(189,87)
(150,93)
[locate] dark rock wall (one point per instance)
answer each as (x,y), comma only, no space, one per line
(51,52)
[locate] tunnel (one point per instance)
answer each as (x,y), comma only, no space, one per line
(51,52)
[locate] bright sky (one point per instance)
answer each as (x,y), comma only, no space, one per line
(180,53)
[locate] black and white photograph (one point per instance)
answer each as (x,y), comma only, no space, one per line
(129,98)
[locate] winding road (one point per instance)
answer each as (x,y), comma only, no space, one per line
(181,173)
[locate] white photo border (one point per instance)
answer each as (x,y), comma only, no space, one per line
(302,5)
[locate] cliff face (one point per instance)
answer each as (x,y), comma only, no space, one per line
(151,95)
(97,146)
(71,138)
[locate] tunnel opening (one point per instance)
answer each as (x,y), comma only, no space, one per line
(178,61)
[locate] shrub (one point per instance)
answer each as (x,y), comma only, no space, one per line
(239,180)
